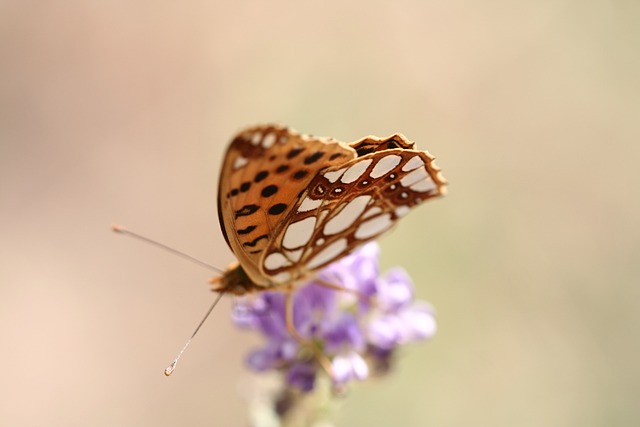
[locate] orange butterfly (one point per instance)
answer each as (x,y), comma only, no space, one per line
(290,204)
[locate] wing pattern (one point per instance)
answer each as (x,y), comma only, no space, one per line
(265,171)
(349,204)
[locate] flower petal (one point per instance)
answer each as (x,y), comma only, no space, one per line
(349,366)
(302,376)
(395,290)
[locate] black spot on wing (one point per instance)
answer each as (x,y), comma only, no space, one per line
(282,168)
(277,209)
(392,145)
(294,152)
(254,242)
(365,150)
(269,191)
(313,158)
(260,176)
(247,230)
(300,174)
(247,210)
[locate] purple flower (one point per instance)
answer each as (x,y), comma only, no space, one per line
(357,330)
(349,366)
(302,375)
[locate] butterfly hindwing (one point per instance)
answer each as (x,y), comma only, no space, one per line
(349,204)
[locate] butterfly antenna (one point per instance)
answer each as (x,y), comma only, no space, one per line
(120,229)
(169,370)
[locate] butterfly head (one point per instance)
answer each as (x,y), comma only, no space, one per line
(235,281)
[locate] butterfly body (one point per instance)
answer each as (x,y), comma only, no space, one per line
(290,204)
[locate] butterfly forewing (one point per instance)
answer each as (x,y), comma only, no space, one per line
(348,204)
(265,171)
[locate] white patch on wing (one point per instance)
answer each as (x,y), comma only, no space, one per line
(402,211)
(240,162)
(255,139)
(354,172)
(308,204)
(412,177)
(334,175)
(322,215)
(294,256)
(413,163)
(385,165)
(424,185)
(299,233)
(329,253)
(372,211)
(275,260)
(282,277)
(347,216)
(269,140)
(373,226)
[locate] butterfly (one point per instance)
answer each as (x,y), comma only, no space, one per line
(290,204)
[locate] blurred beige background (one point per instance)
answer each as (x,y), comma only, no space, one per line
(120,111)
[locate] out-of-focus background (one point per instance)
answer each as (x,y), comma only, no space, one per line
(120,111)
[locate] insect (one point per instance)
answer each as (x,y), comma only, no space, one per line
(290,204)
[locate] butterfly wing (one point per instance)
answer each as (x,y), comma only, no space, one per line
(347,205)
(264,172)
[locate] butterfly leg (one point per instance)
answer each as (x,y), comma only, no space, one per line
(335,287)
(322,358)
